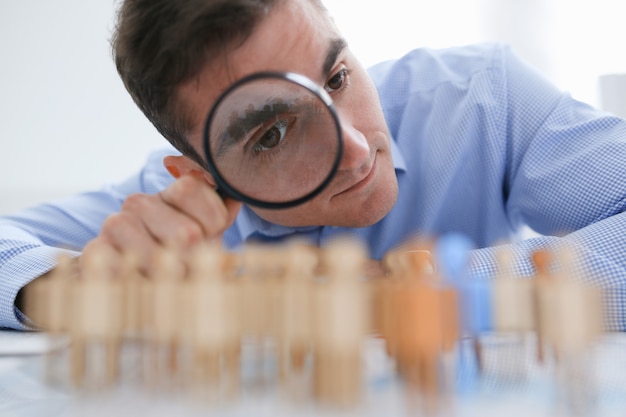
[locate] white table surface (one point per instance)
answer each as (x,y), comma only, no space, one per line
(24,393)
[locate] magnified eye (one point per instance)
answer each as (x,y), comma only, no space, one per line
(272,137)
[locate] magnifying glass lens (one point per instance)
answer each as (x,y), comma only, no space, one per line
(273,141)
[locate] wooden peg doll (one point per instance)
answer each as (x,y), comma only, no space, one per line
(543,294)
(215,325)
(49,305)
(256,266)
(572,317)
(512,298)
(410,260)
(98,317)
(165,308)
(421,332)
(513,308)
(469,298)
(47,302)
(340,319)
(294,332)
(132,282)
(383,307)
(576,310)
(274,280)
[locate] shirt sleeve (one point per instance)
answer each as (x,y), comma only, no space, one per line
(31,240)
(566,179)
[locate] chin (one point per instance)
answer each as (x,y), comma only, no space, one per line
(371,211)
(367,212)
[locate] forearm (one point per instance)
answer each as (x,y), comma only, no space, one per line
(23,258)
(32,240)
(601,261)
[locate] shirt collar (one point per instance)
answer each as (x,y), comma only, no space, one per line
(396,156)
(249,223)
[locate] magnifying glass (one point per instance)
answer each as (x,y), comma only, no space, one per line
(273,140)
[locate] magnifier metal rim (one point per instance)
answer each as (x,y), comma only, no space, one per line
(231,191)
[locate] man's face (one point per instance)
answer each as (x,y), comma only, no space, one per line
(298,37)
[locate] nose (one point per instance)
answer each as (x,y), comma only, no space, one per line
(356,149)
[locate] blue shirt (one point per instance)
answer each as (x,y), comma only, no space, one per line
(482,145)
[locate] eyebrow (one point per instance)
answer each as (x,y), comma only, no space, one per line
(336,47)
(240,126)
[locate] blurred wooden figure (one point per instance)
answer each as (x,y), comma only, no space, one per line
(340,324)
(252,282)
(425,328)
(294,332)
(577,310)
(135,320)
(512,298)
(165,320)
(571,325)
(513,306)
(215,324)
(49,305)
(543,293)
(98,322)
(400,268)
(132,283)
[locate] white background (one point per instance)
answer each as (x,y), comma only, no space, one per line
(67,124)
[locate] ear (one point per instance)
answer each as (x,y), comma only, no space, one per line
(179,166)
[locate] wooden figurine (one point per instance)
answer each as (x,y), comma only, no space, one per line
(425,326)
(48,305)
(165,306)
(257,270)
(134,319)
(400,267)
(215,325)
(571,325)
(252,282)
(578,310)
(570,312)
(543,294)
(474,294)
(512,298)
(294,322)
(132,282)
(98,317)
(513,316)
(340,324)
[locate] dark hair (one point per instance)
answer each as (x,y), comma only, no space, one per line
(160,44)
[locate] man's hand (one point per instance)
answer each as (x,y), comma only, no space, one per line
(185,213)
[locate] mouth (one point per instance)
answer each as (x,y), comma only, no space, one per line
(362,183)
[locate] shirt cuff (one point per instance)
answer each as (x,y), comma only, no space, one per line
(16,273)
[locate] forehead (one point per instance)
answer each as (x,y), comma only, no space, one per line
(295,36)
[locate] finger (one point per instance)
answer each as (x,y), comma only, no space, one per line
(99,260)
(165,223)
(197,199)
(127,233)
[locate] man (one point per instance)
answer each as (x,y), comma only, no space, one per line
(467,140)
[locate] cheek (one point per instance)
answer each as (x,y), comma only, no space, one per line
(364,101)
